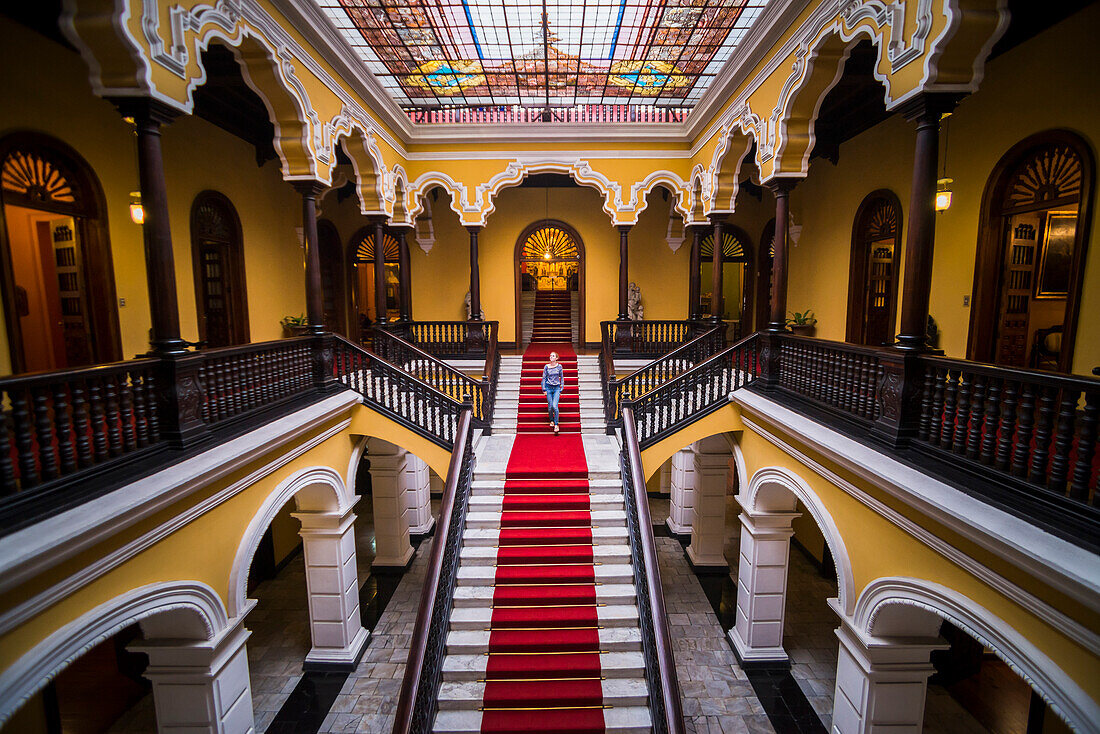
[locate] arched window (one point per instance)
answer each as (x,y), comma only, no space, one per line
(55,257)
(549,256)
(873,270)
(1031,253)
(362,265)
(217,255)
(736,283)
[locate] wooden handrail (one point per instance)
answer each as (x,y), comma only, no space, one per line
(666,664)
(457,472)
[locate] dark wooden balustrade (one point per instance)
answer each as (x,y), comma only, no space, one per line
(647,338)
(393,392)
(418,701)
(450,339)
(660,666)
(660,370)
(843,378)
(241,379)
(438,374)
(693,394)
(1034,428)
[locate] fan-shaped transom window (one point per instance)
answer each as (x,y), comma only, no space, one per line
(550,242)
(39,179)
(364,251)
(1050,177)
(732,248)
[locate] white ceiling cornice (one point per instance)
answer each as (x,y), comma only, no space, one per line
(326,40)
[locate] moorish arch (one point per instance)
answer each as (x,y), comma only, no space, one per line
(549,256)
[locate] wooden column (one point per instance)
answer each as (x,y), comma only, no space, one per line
(315,312)
(379,223)
(778,319)
(693,275)
(160,269)
(716,305)
(475,276)
(624,277)
(926,110)
(403,273)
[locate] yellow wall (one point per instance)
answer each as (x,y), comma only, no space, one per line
(56,99)
(981,130)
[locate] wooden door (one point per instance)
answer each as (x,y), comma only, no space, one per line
(216,251)
(873,270)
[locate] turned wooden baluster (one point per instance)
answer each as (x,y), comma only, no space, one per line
(127,416)
(80,424)
(64,419)
(141,418)
(43,429)
(99,435)
(24,439)
(977,416)
(1038,469)
(947,433)
(208,404)
(1007,429)
(1024,430)
(111,415)
(925,423)
(1086,448)
(8,482)
(1063,441)
(962,414)
(992,420)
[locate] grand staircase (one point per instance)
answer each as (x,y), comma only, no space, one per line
(553,318)
(544,635)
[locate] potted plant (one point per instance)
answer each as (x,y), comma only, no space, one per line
(295,325)
(802,323)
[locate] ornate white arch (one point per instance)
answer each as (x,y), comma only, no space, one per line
(317,487)
(757,493)
(1057,688)
(199,611)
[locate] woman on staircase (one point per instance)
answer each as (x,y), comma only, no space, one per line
(553,380)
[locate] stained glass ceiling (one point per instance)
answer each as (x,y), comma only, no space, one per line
(600,60)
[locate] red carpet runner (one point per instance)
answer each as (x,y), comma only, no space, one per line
(543,673)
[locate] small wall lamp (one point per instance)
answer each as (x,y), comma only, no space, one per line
(137,211)
(943,194)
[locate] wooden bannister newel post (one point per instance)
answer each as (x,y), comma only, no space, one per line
(624,336)
(180,396)
(897,397)
(324,373)
(771,344)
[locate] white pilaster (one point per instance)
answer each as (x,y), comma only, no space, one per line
(681,506)
(418,499)
(666,478)
(708,527)
(328,541)
(757,634)
(881,683)
(201,687)
(391,516)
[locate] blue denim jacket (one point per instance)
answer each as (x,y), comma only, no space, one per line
(552,377)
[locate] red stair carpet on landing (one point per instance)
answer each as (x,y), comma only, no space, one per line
(543,673)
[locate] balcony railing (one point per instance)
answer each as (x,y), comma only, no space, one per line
(449,339)
(647,338)
(516,114)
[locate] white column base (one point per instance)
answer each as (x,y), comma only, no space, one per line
(881,683)
(393,562)
(677,528)
(201,687)
(332,581)
(710,562)
(750,657)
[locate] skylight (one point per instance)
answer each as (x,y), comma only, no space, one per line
(544,60)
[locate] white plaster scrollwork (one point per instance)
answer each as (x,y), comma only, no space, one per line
(224,14)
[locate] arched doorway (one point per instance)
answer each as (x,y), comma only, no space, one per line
(549,257)
(57,275)
(217,259)
(764,275)
(1032,242)
(873,271)
(362,276)
(332,277)
(737,288)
